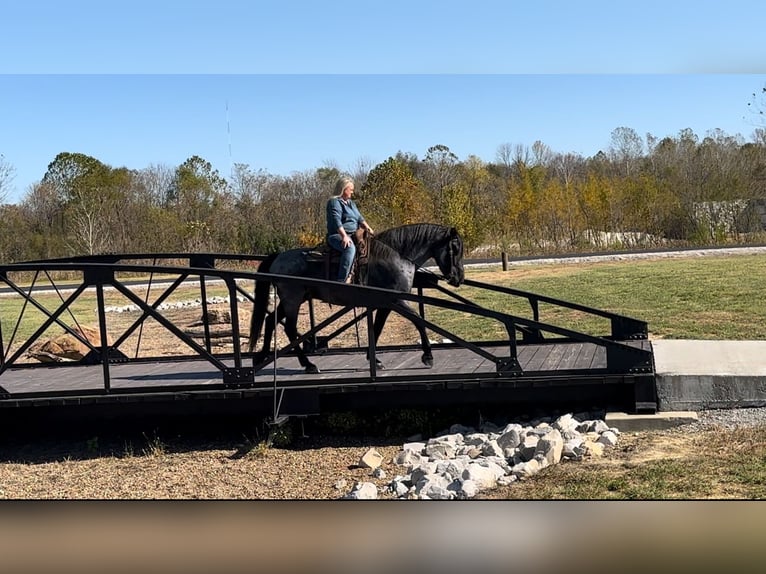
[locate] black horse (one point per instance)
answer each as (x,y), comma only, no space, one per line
(394,255)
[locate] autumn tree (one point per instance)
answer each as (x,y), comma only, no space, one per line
(393,196)
(476,213)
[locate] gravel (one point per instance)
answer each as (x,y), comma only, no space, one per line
(728,419)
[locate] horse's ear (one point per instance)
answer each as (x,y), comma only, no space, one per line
(453,233)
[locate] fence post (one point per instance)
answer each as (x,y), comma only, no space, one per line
(504,257)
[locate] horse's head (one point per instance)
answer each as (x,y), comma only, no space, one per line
(449,257)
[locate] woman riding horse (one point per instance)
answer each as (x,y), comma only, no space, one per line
(343,220)
(394,257)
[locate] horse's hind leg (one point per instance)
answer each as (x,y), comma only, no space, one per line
(291,330)
(268,333)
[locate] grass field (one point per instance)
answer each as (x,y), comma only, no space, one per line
(711,297)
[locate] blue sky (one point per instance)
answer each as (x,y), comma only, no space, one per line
(310,83)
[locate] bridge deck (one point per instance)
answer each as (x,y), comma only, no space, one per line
(550,364)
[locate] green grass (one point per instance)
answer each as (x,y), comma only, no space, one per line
(713,297)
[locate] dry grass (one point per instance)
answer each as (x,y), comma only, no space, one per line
(674,464)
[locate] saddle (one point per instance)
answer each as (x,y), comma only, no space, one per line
(331,258)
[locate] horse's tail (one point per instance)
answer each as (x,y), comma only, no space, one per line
(261,301)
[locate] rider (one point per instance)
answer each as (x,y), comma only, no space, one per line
(343,219)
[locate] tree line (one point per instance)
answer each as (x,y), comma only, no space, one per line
(640,192)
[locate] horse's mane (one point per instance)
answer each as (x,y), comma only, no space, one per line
(405,237)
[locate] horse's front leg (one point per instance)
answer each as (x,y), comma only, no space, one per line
(425,344)
(380,320)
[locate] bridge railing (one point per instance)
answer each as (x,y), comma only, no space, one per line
(97,274)
(621,357)
(56,304)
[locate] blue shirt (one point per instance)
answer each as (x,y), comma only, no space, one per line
(342,213)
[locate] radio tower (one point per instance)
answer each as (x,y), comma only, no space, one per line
(228,134)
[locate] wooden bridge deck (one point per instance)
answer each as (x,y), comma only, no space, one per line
(549,364)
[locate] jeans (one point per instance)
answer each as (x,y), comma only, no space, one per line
(346,255)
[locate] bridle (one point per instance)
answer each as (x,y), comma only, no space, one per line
(453,247)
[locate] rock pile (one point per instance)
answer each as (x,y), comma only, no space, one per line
(130,308)
(462,461)
(66,347)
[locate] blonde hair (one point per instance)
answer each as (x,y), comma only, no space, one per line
(342,183)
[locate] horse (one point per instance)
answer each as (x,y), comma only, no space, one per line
(394,255)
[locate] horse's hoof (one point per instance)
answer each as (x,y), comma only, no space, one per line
(380,366)
(312,369)
(428,361)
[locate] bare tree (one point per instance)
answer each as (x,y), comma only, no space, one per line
(504,156)
(360,169)
(542,153)
(7,173)
(157,181)
(439,169)
(91,232)
(626,147)
(757,106)
(248,186)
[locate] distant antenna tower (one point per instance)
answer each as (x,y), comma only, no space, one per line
(228,134)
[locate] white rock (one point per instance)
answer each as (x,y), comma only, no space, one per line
(550,447)
(417,446)
(491,448)
(565,423)
(468,489)
(483,476)
(434,487)
(526,469)
(510,438)
(440,450)
(371,459)
(409,458)
(608,438)
(363,491)
(475,439)
(378,473)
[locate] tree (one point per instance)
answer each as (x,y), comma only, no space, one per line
(73,175)
(7,173)
(85,188)
(44,212)
(156,181)
(626,148)
(484,202)
(392,196)
(542,154)
(195,190)
(439,171)
(13,235)
(757,106)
